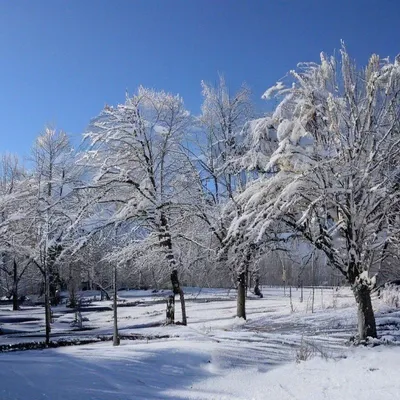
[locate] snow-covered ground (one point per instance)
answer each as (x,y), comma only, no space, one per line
(215,357)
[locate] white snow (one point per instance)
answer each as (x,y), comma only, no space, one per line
(217,356)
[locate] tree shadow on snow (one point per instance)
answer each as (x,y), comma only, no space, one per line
(100,372)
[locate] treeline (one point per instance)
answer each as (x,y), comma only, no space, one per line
(306,195)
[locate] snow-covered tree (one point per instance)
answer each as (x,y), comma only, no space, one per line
(50,210)
(12,189)
(336,180)
(231,150)
(221,121)
(143,176)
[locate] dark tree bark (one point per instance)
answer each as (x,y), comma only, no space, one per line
(241,295)
(15,287)
(242,281)
(54,274)
(178,290)
(366,317)
(183,307)
(15,299)
(362,294)
(116,339)
(257,290)
(72,298)
(103,292)
(47,307)
(166,243)
(170,314)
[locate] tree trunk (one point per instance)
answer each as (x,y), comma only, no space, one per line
(241,295)
(301,291)
(116,340)
(15,299)
(166,243)
(15,287)
(178,290)
(54,293)
(183,306)
(242,283)
(366,317)
(72,298)
(247,284)
(47,308)
(257,290)
(103,293)
(291,300)
(170,314)
(313,282)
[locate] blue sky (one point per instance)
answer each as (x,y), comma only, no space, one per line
(62,60)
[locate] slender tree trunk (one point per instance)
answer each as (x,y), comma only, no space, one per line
(291,300)
(15,287)
(166,242)
(47,307)
(247,281)
(116,340)
(322,298)
(183,307)
(241,295)
(313,282)
(301,291)
(366,317)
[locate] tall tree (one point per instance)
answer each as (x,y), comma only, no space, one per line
(336,181)
(51,211)
(232,149)
(12,189)
(222,120)
(142,174)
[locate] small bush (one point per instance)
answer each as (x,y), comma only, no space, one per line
(390,294)
(309,349)
(305,352)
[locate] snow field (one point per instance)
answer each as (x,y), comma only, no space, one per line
(216,356)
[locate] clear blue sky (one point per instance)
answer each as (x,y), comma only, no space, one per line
(62,60)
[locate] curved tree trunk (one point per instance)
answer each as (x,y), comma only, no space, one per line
(366,317)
